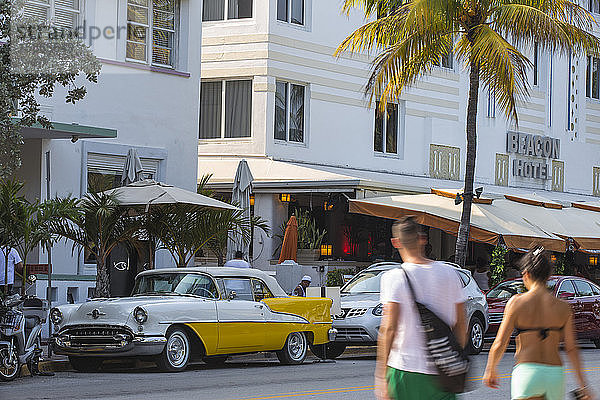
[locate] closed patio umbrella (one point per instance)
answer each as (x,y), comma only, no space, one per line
(132,170)
(289,247)
(242,188)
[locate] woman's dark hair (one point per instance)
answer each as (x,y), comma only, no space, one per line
(536,262)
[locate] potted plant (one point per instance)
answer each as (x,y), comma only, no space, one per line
(310,238)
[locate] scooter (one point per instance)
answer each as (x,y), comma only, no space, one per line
(21,322)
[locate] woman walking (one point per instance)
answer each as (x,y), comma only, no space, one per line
(541,322)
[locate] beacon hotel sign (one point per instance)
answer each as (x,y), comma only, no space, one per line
(532,153)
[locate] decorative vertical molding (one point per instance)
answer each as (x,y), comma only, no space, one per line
(558,176)
(502,168)
(444,162)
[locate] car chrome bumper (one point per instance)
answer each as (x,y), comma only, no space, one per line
(139,346)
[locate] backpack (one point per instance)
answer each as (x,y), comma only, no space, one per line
(444,351)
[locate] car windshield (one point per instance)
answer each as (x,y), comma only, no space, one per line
(506,290)
(175,284)
(364,282)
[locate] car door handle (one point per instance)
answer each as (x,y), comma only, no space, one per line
(258,306)
(470,298)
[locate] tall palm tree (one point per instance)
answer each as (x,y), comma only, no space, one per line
(10,205)
(98,225)
(487,37)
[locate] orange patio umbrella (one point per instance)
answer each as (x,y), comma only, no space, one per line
(289,247)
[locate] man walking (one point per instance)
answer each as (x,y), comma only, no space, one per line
(403,370)
(14,261)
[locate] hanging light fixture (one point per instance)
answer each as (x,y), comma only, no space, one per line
(251,199)
(327,205)
(285,197)
(593,261)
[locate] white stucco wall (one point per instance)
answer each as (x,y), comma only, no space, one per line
(154,111)
(339,125)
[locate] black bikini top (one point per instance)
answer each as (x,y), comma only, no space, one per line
(542,331)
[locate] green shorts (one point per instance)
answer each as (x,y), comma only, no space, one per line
(404,385)
(534,380)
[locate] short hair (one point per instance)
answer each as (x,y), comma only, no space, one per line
(407,230)
(536,262)
(238,254)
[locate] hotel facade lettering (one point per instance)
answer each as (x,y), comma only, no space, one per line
(527,145)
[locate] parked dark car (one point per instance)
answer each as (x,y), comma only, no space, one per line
(583,295)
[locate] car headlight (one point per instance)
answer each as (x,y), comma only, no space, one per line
(56,316)
(140,315)
(378,311)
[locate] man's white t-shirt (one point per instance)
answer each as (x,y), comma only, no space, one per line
(237,263)
(13,258)
(438,287)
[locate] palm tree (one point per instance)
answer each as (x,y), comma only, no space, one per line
(410,37)
(10,205)
(183,229)
(98,225)
(33,226)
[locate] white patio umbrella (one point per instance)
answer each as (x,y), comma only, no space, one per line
(149,192)
(132,170)
(242,188)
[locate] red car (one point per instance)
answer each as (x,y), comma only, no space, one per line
(583,295)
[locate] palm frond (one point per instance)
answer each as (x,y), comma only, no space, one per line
(503,68)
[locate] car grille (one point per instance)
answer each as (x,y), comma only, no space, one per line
(352,335)
(106,337)
(351,313)
(496,318)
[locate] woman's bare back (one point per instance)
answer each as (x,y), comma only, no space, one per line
(536,311)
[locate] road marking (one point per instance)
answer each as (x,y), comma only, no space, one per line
(364,388)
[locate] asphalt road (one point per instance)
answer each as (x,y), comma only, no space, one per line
(257,377)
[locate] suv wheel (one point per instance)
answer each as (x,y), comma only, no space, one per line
(329,351)
(476,332)
(294,351)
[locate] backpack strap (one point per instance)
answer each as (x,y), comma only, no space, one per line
(410,286)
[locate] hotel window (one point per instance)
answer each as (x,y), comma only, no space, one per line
(104,171)
(594,6)
(388,124)
(291,11)
(444,162)
(290,100)
(445,61)
(215,10)
(558,176)
(536,66)
(151,31)
(59,13)
(491,103)
(592,78)
(502,168)
(596,177)
(225,109)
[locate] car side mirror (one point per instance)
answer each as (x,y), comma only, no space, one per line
(566,296)
(232,295)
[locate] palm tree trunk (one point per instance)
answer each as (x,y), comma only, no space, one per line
(462,240)
(102,277)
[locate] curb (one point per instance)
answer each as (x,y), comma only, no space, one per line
(50,366)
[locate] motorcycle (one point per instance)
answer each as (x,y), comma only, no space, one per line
(21,322)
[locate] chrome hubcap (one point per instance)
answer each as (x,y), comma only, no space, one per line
(177,349)
(8,369)
(477,335)
(297,345)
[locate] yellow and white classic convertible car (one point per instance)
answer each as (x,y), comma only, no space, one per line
(177,315)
